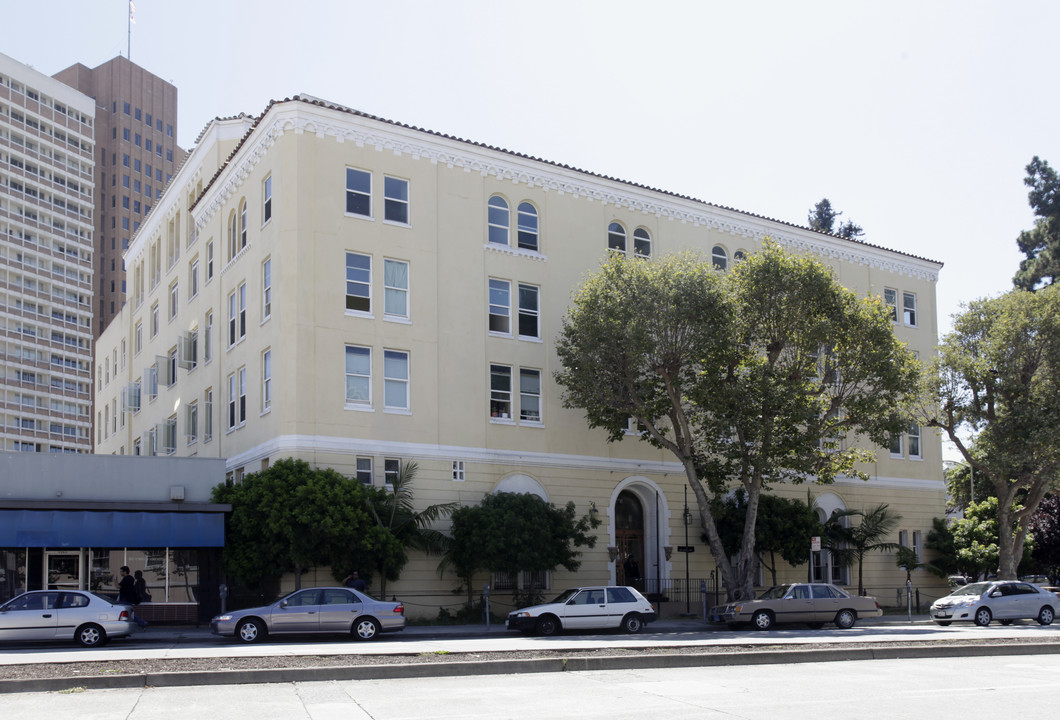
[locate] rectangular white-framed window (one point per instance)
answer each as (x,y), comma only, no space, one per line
(358,192)
(395,200)
(266,289)
(358,376)
(191,422)
(913,437)
(890,299)
(237,398)
(364,470)
(193,279)
(500,392)
(500,306)
(138,338)
(391,471)
(266,200)
(266,380)
(896,445)
(173,300)
(209,261)
(395,380)
(154,319)
(171,367)
(358,283)
(237,315)
(918,545)
(207,415)
(395,289)
(530,395)
(903,538)
(207,338)
(459,473)
(169,436)
(529,312)
(909,308)
(123,346)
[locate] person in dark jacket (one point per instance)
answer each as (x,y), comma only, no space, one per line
(127,594)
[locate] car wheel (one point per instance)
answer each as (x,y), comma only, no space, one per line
(365,629)
(762,620)
(91,635)
(983,617)
(251,630)
(1046,615)
(815,626)
(547,625)
(845,619)
(943,623)
(632,623)
(1006,622)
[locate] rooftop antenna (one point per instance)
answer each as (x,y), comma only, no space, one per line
(132,21)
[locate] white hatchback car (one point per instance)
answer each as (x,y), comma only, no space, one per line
(1004,600)
(588,608)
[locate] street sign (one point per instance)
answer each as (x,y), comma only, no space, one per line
(815,544)
(686,548)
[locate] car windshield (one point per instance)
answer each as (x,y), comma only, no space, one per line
(775,593)
(565,595)
(971,589)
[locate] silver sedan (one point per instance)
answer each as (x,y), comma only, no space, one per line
(335,610)
(1004,600)
(64,615)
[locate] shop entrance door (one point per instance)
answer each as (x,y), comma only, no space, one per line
(62,569)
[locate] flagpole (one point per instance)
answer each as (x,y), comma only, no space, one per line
(128,49)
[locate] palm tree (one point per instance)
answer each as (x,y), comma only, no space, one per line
(848,545)
(400,526)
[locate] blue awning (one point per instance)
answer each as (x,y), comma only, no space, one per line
(110,529)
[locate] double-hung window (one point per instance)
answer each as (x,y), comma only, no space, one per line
(358,375)
(154,319)
(395,289)
(529,311)
(395,380)
(914,440)
(530,395)
(364,470)
(266,290)
(173,300)
(266,202)
(909,308)
(500,320)
(237,315)
(243,225)
(890,299)
(500,391)
(396,200)
(358,282)
(193,279)
(358,192)
(266,380)
(207,338)
(237,398)
(207,415)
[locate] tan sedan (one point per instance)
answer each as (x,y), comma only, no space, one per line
(812,603)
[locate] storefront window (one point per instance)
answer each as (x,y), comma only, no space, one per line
(12,573)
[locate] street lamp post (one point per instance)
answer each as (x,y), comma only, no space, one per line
(688,580)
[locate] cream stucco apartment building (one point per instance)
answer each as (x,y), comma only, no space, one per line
(321,283)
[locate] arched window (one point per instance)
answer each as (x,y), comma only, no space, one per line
(233,235)
(719,257)
(499,218)
(641,243)
(739,256)
(243,225)
(616,237)
(527,227)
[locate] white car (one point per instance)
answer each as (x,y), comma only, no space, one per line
(586,608)
(1004,600)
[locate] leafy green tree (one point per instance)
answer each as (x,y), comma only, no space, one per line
(959,487)
(400,527)
(1045,530)
(823,219)
(749,378)
(290,517)
(784,527)
(1041,245)
(976,539)
(850,545)
(515,532)
(996,380)
(940,539)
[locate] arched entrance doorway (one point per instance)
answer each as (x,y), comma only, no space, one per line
(629,538)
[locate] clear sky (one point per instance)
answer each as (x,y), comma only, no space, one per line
(916,118)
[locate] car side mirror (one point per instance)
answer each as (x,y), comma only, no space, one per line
(996,593)
(283,604)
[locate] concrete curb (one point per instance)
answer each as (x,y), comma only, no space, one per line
(502,667)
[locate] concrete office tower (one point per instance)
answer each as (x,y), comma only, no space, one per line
(47,163)
(357,293)
(136,133)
